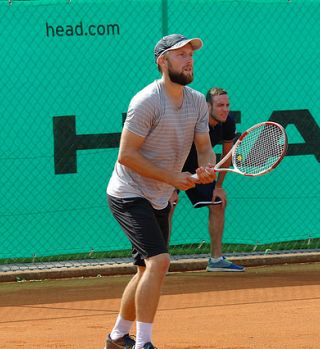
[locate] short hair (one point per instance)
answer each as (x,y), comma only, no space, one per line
(215,91)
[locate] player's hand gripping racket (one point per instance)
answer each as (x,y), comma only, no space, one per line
(257,151)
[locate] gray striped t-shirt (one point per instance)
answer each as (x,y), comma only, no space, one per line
(168,135)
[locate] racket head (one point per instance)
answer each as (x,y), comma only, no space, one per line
(260,149)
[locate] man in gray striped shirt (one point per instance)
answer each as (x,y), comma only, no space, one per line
(163,121)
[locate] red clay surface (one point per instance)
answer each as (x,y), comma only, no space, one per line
(266,307)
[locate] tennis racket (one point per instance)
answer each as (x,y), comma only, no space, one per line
(258,151)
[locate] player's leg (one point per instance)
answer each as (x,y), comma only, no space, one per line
(148,231)
(119,336)
(127,306)
(149,287)
(148,290)
(147,297)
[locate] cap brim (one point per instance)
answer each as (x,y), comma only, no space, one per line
(196,44)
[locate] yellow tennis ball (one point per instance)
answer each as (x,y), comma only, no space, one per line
(239,157)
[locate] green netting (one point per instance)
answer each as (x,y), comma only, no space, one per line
(68,72)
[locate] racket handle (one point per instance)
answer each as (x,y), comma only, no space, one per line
(195,176)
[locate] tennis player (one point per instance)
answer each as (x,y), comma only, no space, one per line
(163,121)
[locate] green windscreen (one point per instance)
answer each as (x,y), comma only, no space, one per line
(68,72)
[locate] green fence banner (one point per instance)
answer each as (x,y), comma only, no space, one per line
(68,72)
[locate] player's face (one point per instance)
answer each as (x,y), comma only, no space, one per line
(220,108)
(180,65)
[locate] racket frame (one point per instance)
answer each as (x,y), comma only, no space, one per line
(232,152)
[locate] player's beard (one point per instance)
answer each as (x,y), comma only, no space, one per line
(180,78)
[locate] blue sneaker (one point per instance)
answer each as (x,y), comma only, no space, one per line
(223,265)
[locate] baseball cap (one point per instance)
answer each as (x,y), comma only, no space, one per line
(173,42)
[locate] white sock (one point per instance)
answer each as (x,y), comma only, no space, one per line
(121,328)
(215,260)
(144,333)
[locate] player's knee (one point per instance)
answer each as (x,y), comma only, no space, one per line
(159,263)
(164,263)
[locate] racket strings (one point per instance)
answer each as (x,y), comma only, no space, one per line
(260,149)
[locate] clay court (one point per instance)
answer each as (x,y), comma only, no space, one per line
(275,307)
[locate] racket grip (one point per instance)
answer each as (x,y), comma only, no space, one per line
(195,176)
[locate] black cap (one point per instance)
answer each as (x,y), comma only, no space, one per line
(173,42)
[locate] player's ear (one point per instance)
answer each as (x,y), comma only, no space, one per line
(209,107)
(161,60)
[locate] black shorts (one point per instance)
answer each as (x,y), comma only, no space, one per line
(146,227)
(201,195)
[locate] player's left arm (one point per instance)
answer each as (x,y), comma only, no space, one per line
(206,158)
